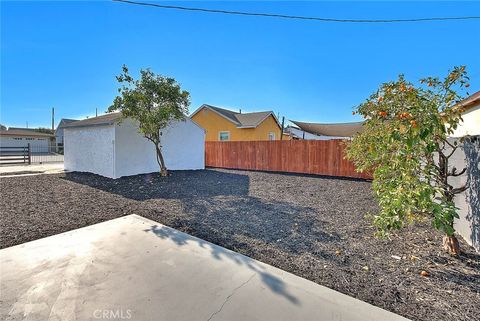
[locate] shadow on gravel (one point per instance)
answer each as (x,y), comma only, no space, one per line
(457,273)
(217,207)
(243,219)
(179,185)
(275,284)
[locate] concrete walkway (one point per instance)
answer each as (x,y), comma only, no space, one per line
(33,169)
(132,268)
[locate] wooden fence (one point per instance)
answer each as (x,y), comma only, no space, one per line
(321,157)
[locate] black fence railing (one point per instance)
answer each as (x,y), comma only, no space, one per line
(46,154)
(10,155)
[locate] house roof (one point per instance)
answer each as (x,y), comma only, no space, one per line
(241,120)
(333,129)
(65,121)
(107,119)
(23,132)
(469,102)
(23,128)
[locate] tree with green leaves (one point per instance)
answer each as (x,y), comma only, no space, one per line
(405,144)
(154,101)
(45,130)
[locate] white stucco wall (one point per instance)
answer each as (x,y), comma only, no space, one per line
(470,124)
(183,147)
(90,149)
(36,143)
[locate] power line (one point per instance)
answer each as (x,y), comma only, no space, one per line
(273,15)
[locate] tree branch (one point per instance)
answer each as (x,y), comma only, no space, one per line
(454,174)
(459,189)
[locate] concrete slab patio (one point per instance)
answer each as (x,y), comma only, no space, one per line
(136,269)
(33,169)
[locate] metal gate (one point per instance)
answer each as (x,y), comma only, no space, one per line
(15,155)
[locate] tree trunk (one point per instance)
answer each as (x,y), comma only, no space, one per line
(161,162)
(451,245)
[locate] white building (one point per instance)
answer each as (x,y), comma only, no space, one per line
(110,146)
(470,124)
(59,130)
(17,137)
(297,133)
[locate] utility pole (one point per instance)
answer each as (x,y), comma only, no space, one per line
(96,112)
(53,119)
(283,123)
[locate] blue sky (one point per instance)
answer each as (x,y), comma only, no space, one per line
(66,54)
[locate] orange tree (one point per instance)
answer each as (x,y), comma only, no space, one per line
(404,143)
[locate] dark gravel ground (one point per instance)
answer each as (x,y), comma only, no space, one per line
(314,227)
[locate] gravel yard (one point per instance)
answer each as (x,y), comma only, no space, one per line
(314,227)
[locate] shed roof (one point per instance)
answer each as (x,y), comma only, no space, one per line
(333,129)
(107,119)
(65,121)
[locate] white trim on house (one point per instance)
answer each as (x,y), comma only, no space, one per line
(223,132)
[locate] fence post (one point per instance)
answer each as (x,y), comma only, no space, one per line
(29,155)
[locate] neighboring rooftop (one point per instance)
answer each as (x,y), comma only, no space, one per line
(332,129)
(241,120)
(23,132)
(106,119)
(22,128)
(65,121)
(470,102)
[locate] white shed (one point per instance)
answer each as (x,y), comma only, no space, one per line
(110,146)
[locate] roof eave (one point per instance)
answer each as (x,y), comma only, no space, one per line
(91,125)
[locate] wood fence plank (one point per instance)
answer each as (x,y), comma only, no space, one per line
(321,157)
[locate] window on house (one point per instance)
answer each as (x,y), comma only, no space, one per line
(29,138)
(223,136)
(17,138)
(271,136)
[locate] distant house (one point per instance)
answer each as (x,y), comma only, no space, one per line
(59,130)
(18,137)
(470,124)
(111,146)
(330,130)
(295,133)
(227,125)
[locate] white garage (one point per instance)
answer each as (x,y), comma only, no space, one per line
(110,146)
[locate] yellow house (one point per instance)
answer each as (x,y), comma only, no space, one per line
(226,125)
